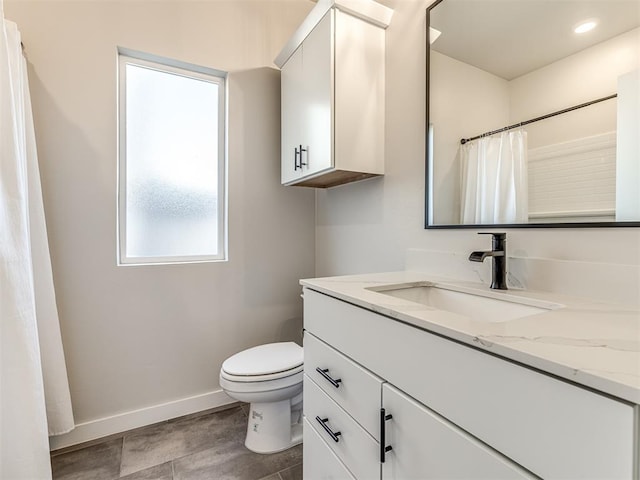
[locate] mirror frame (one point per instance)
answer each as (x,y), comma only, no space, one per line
(483,226)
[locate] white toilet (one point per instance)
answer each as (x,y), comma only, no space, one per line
(269,377)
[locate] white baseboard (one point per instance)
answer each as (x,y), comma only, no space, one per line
(122,422)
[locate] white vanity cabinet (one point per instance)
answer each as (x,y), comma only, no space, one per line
(332,95)
(346,406)
(456,411)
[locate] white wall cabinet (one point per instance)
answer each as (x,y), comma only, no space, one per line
(456,412)
(333,95)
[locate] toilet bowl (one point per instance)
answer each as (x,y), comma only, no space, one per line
(269,377)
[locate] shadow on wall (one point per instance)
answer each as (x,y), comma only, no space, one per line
(359,203)
(73,177)
(65,150)
(291,330)
(265,208)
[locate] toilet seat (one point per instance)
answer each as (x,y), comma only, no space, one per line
(264,363)
(241,385)
(261,378)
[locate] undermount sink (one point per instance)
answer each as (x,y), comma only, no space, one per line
(478,305)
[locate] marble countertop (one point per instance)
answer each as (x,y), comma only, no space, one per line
(594,344)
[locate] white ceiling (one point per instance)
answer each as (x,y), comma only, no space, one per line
(512,37)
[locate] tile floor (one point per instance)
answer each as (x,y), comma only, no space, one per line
(196,447)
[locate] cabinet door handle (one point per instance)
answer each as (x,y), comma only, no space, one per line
(325,373)
(384,448)
(327,428)
(301,162)
(295,159)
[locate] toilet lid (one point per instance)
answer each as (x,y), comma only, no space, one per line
(265,359)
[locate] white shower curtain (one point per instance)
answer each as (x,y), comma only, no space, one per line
(34,392)
(494,179)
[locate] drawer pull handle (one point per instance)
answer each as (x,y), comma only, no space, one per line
(384,448)
(325,373)
(327,428)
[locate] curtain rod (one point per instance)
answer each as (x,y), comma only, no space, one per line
(549,115)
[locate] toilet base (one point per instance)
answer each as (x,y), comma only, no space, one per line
(274,426)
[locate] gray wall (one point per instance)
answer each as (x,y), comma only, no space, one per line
(137,337)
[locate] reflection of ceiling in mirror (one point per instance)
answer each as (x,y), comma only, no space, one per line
(510,38)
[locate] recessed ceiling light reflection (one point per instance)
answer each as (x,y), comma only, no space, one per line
(433,34)
(586,26)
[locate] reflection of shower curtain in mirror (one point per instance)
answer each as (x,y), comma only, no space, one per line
(494,179)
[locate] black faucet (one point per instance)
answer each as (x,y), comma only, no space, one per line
(499,254)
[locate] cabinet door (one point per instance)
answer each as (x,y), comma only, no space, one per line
(292,97)
(317,104)
(425,445)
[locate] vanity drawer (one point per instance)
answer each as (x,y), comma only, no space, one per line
(320,463)
(354,446)
(551,427)
(354,388)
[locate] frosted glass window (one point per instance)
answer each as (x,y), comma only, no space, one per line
(172,199)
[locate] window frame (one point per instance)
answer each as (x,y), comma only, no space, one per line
(130,57)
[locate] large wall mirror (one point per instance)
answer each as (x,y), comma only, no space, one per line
(533,113)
